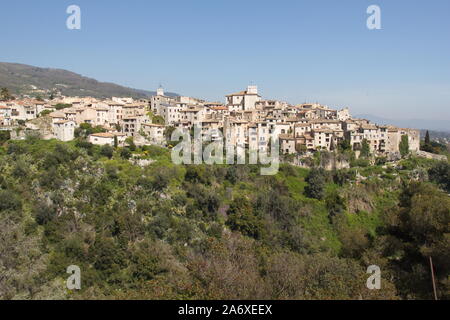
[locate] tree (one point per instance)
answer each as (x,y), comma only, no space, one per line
(206,199)
(4,136)
(365,149)
(43,212)
(9,201)
(420,229)
(130,142)
(404,146)
(228,268)
(197,174)
(301,148)
(345,145)
(86,129)
(45,113)
(21,259)
(433,147)
(125,153)
(147,260)
(5,95)
(116,142)
(440,174)
(107,151)
(335,203)
(158,181)
(241,218)
(316,180)
(427,138)
(168,132)
(158,120)
(61,106)
(315,276)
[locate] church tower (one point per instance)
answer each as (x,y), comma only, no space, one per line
(252,89)
(160,91)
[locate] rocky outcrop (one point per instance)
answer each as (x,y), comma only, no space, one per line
(328,161)
(43,125)
(432,156)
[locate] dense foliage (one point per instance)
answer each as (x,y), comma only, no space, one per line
(154,230)
(404,146)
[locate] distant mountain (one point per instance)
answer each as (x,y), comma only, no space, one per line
(436,125)
(29,80)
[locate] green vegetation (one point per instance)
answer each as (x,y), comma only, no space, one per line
(404,146)
(21,79)
(5,95)
(61,106)
(4,136)
(163,231)
(440,174)
(432,146)
(365,149)
(155,118)
(45,113)
(86,129)
(345,145)
(427,138)
(316,180)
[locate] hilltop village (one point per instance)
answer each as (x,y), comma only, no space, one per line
(245,120)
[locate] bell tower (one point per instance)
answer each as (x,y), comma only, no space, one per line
(252,89)
(160,91)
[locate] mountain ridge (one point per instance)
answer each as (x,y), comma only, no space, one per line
(23,79)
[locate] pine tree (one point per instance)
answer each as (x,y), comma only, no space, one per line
(427,138)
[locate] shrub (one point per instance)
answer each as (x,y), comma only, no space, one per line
(9,201)
(440,174)
(4,136)
(316,180)
(335,203)
(365,149)
(125,153)
(107,151)
(241,218)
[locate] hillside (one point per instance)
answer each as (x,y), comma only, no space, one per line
(166,231)
(30,80)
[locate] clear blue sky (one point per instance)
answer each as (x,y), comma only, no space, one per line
(314,50)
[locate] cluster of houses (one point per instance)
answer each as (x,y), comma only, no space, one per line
(245,120)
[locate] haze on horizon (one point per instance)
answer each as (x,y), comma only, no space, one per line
(295,51)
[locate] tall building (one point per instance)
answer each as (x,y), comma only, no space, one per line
(244,100)
(160,91)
